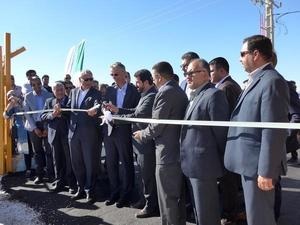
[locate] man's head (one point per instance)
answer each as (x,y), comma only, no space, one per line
(59,90)
(68,87)
(161,73)
(86,79)
(118,73)
(256,51)
(219,68)
(103,88)
(36,84)
(96,84)
(67,77)
(197,73)
(12,80)
(143,80)
(45,80)
(30,74)
(186,58)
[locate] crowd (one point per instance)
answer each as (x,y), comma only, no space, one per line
(182,167)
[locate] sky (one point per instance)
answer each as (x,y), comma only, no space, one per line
(141,33)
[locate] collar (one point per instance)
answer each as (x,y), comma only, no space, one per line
(221,81)
(165,84)
(196,91)
(254,73)
(35,94)
(123,88)
(151,89)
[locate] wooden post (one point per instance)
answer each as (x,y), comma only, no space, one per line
(2,155)
(5,86)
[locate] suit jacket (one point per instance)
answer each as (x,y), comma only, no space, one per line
(254,151)
(57,126)
(30,104)
(202,147)
(143,110)
(294,106)
(183,85)
(82,119)
(131,100)
(232,91)
(170,103)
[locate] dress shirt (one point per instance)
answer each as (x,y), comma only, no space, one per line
(121,92)
(193,94)
(81,95)
(39,105)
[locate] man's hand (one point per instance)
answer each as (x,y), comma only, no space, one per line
(264,183)
(137,135)
(45,133)
(111,107)
(57,110)
(38,132)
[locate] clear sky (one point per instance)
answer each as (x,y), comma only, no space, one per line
(140,33)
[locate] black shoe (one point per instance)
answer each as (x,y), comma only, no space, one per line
(122,203)
(90,198)
(72,191)
(110,201)
(80,194)
(144,213)
(38,180)
(57,188)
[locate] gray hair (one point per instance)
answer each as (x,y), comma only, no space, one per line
(118,65)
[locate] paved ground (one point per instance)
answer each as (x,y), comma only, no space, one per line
(59,209)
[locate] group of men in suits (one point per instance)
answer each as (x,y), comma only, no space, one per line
(171,155)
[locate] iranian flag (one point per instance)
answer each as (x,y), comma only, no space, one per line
(75,58)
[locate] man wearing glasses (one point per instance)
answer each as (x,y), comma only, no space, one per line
(259,154)
(185,61)
(202,147)
(118,142)
(84,136)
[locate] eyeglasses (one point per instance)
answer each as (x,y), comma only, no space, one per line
(183,65)
(191,73)
(87,79)
(114,74)
(244,53)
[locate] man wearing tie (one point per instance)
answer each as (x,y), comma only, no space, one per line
(202,147)
(259,154)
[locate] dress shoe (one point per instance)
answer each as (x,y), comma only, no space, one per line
(144,213)
(38,180)
(90,198)
(80,194)
(72,191)
(57,188)
(122,203)
(112,200)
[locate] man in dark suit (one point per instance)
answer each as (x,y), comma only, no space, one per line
(202,147)
(118,144)
(259,154)
(145,151)
(58,126)
(229,184)
(170,103)
(35,100)
(84,136)
(186,58)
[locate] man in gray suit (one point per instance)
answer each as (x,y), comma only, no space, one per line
(202,147)
(35,100)
(259,154)
(145,151)
(170,103)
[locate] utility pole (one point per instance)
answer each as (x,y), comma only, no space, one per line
(268,17)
